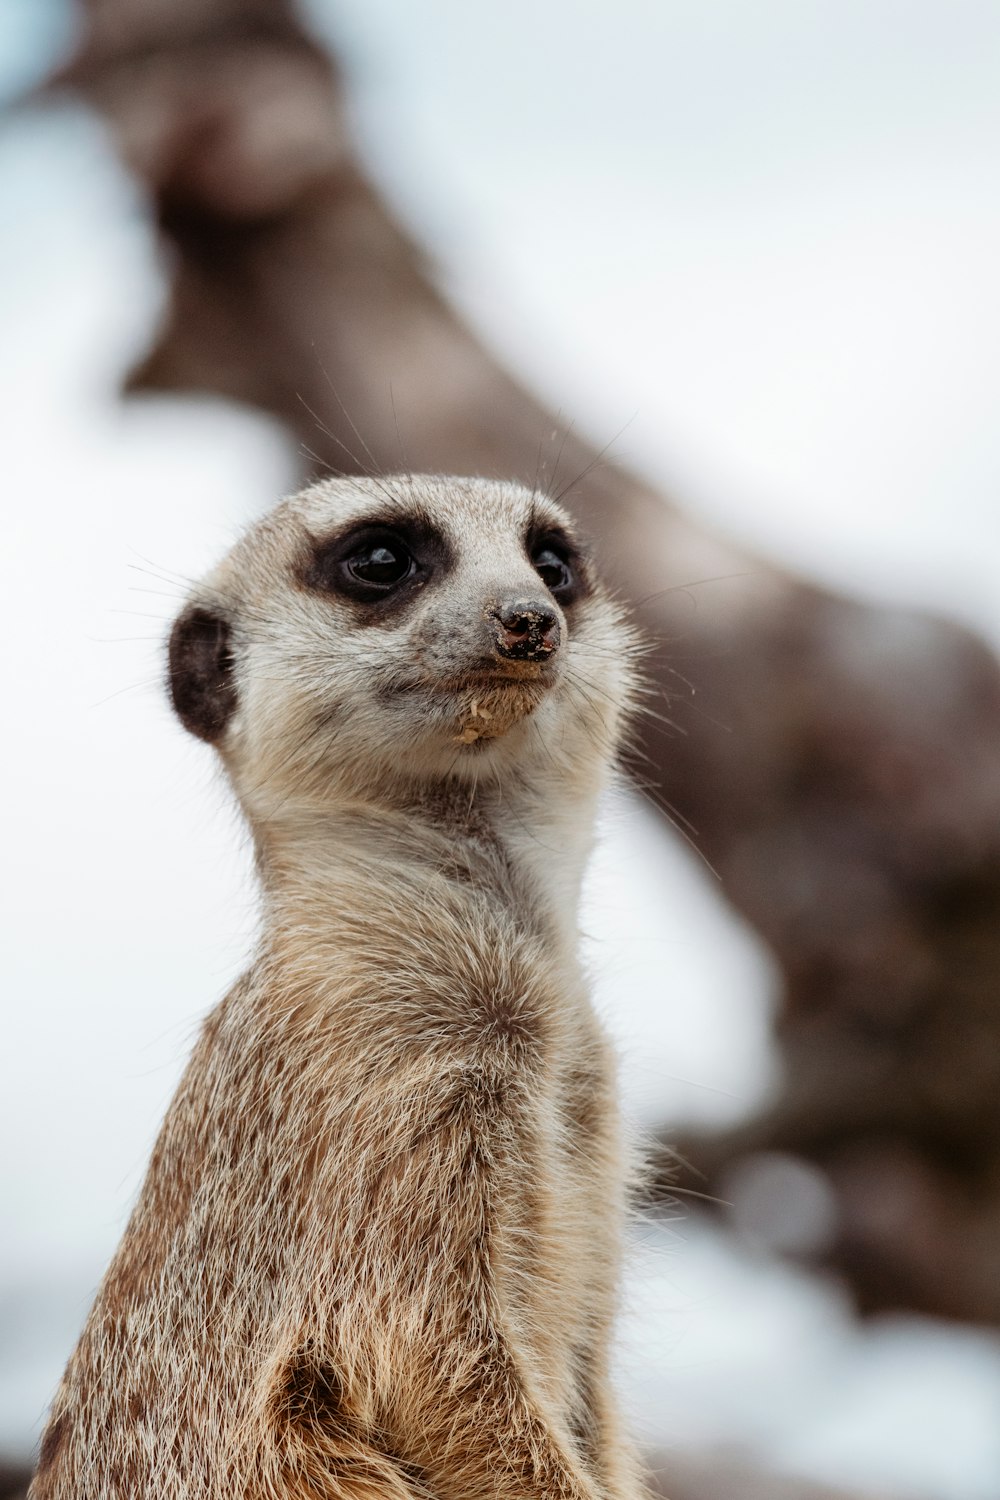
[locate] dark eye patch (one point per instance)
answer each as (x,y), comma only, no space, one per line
(377,563)
(559,562)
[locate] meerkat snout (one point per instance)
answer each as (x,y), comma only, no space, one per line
(526,630)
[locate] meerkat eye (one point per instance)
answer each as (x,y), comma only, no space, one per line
(552,564)
(369,564)
(383,564)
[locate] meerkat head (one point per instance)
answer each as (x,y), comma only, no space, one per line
(372,634)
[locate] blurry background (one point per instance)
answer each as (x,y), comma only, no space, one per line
(752,247)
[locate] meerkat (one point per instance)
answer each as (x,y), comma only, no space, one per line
(376,1254)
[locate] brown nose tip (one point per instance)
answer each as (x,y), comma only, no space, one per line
(526,630)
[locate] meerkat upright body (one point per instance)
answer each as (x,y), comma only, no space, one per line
(376,1253)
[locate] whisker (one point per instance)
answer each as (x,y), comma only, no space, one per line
(307,452)
(359,466)
(562,445)
(136,588)
(697,583)
(165,575)
(138,614)
(595,460)
(653,795)
(124,640)
(350,420)
(131,687)
(399,439)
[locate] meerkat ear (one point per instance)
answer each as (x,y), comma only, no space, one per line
(200,673)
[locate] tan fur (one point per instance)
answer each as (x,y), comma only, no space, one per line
(376,1252)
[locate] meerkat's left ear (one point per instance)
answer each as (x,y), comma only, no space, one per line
(200,672)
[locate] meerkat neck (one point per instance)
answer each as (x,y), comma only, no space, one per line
(528,854)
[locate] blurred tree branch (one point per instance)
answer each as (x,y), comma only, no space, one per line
(677,1477)
(838,765)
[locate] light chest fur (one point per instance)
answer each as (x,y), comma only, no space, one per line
(376,1252)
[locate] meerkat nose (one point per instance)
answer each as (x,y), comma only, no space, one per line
(526,629)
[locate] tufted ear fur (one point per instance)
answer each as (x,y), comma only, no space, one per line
(201,673)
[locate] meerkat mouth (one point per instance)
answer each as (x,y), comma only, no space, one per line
(488,710)
(481,703)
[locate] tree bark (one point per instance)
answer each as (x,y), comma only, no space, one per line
(837,765)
